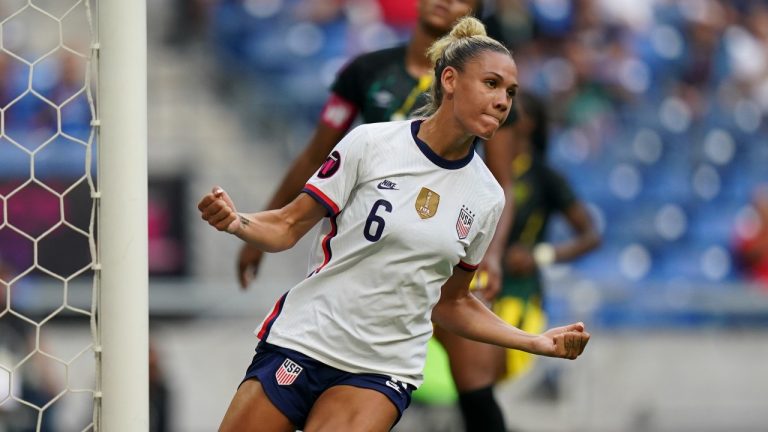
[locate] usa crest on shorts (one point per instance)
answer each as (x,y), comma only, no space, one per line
(464,222)
(288,372)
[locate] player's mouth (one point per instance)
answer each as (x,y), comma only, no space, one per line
(494,118)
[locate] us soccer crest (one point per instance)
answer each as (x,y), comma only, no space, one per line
(288,372)
(426,203)
(464,222)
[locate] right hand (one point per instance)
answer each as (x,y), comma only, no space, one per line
(564,342)
(219,211)
(248,264)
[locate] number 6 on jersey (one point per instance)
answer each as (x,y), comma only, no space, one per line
(374,218)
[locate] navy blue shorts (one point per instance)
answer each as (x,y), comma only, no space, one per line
(293,381)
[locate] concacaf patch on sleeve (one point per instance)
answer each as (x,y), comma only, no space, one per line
(330,166)
(464,222)
(288,372)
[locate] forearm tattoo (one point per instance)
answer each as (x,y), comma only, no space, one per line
(244,220)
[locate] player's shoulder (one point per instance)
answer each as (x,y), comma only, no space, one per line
(383,136)
(376,129)
(486,181)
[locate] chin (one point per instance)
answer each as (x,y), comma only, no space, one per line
(486,131)
(487,135)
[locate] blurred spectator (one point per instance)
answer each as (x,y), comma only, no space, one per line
(752,240)
(32,383)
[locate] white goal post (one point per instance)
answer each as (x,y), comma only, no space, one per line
(123,310)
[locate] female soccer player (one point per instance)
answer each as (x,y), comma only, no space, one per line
(411,211)
(387,85)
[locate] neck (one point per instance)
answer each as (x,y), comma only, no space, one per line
(445,137)
(416,61)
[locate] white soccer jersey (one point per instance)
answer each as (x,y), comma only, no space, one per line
(400,219)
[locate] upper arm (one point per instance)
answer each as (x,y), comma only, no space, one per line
(454,289)
(301,214)
(457,285)
(565,200)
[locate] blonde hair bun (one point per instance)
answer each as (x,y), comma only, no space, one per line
(467,27)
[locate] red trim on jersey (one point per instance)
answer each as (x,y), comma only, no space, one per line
(338,113)
(327,245)
(468,267)
(271,318)
(318,194)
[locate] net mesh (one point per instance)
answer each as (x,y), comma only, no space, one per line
(48,275)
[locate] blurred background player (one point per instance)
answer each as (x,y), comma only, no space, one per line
(540,193)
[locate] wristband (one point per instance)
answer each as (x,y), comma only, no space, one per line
(544,254)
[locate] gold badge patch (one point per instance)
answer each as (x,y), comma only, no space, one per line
(426,203)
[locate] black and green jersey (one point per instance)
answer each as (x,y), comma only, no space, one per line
(379,87)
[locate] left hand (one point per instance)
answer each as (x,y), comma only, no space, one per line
(564,342)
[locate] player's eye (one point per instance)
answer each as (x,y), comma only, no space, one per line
(512,92)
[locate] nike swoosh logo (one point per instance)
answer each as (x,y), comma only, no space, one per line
(387,185)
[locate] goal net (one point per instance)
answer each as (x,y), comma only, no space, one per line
(56,371)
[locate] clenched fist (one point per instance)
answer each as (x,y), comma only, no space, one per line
(565,342)
(219,211)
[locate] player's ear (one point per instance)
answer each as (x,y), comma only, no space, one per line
(448,80)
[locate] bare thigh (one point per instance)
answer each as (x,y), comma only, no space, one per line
(474,365)
(347,408)
(251,410)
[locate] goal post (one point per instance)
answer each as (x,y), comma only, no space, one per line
(122,317)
